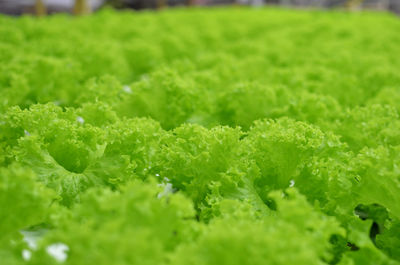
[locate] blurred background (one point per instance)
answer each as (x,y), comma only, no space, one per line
(43,7)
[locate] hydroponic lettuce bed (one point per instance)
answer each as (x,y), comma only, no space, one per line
(203,137)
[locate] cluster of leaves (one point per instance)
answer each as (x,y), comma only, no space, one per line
(225,136)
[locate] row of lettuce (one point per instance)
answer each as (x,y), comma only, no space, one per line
(227,136)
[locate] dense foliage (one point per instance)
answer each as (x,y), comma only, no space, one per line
(203,137)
